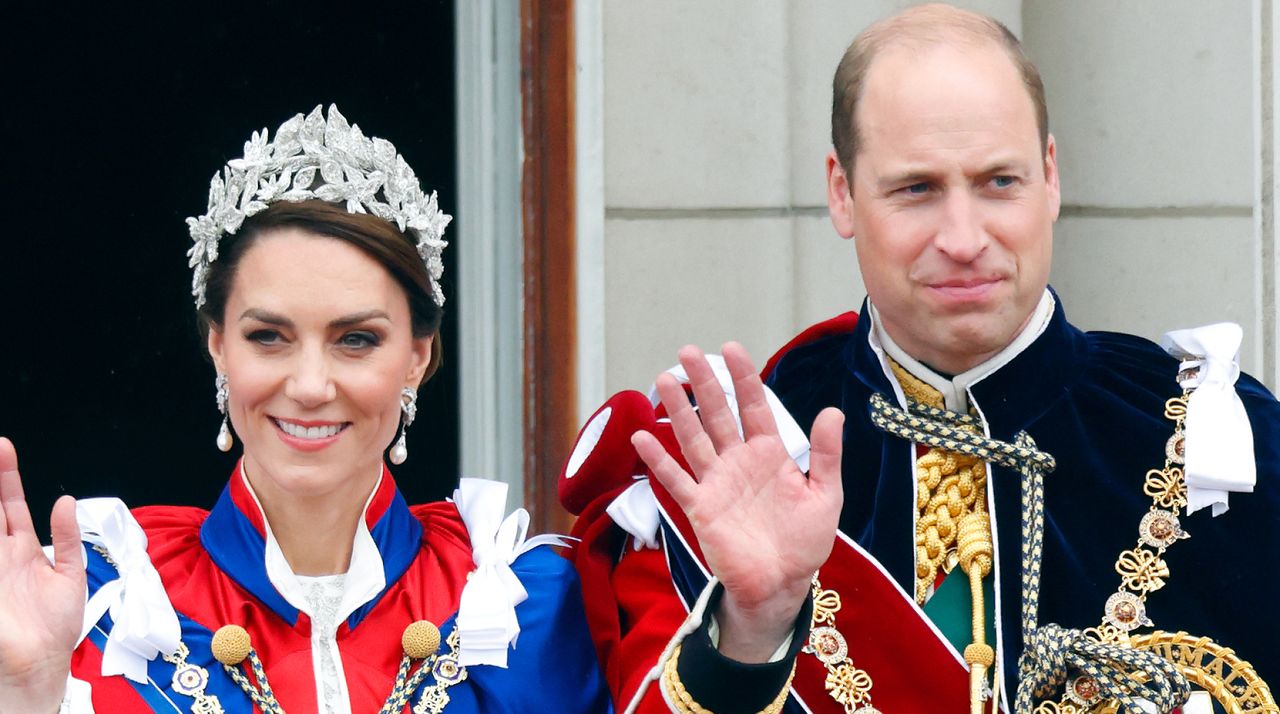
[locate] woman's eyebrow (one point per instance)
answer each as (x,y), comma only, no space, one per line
(356,318)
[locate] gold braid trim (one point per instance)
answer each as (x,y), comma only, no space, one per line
(950,486)
(684,702)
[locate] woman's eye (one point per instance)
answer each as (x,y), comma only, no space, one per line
(359,340)
(264,337)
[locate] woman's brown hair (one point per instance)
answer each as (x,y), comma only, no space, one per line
(379,239)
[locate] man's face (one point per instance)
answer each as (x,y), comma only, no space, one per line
(952,202)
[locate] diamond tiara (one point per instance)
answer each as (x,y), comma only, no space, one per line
(325,158)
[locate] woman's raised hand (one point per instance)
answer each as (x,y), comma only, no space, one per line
(41,603)
(763,525)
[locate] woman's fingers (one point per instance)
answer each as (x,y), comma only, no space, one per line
(8,456)
(13,502)
(68,555)
(8,475)
(676,480)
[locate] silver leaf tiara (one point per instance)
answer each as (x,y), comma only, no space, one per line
(364,172)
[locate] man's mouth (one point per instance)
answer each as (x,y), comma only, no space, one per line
(966,288)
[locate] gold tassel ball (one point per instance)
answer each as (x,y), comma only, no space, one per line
(420,640)
(230,645)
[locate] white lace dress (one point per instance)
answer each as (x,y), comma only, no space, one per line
(324,596)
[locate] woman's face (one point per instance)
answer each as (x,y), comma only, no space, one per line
(316,344)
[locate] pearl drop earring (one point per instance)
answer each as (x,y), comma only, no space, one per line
(409,407)
(223,393)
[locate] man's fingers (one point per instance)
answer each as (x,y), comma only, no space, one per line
(753,406)
(694,442)
(676,480)
(68,557)
(717,418)
(826,445)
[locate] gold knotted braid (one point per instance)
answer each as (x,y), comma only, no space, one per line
(949,487)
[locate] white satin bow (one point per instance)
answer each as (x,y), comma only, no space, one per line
(1219,440)
(635,511)
(487,622)
(145,623)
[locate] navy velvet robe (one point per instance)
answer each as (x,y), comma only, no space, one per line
(1096,402)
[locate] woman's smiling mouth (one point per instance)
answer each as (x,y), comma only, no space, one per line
(308,436)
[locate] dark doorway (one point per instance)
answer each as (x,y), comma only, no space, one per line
(115,119)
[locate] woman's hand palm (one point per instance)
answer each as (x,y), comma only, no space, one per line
(41,603)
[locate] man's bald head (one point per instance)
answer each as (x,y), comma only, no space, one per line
(919,28)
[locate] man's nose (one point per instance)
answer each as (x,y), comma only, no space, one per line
(961,236)
(310,383)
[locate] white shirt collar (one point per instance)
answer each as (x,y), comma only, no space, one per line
(365,577)
(955,391)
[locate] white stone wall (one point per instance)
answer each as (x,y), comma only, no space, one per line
(716,119)
(1153,112)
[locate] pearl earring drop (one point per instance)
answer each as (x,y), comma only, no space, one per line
(223,394)
(409,409)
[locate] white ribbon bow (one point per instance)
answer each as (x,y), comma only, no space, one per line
(145,623)
(1219,440)
(792,435)
(487,622)
(635,511)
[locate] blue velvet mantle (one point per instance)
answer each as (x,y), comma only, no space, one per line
(1095,401)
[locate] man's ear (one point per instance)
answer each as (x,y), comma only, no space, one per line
(1052,180)
(839,196)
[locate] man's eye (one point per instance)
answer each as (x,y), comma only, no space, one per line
(1002,181)
(917,188)
(359,340)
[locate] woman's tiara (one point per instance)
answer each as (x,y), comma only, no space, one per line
(325,158)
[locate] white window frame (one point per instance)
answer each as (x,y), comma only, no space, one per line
(488,241)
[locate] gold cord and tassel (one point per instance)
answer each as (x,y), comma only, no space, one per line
(975,551)
(953,528)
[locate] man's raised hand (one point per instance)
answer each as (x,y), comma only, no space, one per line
(763,525)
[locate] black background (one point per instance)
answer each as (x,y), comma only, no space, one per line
(114,120)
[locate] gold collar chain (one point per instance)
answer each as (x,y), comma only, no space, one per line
(1143,570)
(845,683)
